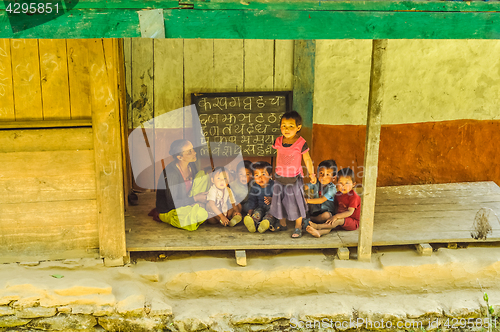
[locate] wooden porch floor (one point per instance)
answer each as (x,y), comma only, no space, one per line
(437,213)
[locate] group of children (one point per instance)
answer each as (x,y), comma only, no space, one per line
(263,203)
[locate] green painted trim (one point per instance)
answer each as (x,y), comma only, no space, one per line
(323,20)
(118,4)
(77,23)
(429,6)
(330,25)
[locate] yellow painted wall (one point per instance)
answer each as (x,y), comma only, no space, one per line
(426,80)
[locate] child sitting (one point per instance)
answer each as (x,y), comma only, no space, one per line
(241,185)
(321,205)
(218,201)
(259,199)
(347,203)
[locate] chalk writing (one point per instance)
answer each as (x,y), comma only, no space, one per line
(249,121)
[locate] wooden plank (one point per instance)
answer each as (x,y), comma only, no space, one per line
(54,79)
(47,188)
(331,25)
(283,65)
(228,65)
(168,95)
(416,208)
(142,82)
(127,185)
(198,58)
(82,23)
(26,77)
(108,167)
(142,94)
(79,79)
(50,216)
(45,140)
(10,256)
(303,85)
(440,190)
(6,88)
(127,54)
(168,73)
(374,120)
(44,124)
(432,20)
(439,200)
(258,65)
(18,165)
(434,6)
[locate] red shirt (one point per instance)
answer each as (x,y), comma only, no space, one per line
(344,201)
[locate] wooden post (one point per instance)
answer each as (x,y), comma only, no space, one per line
(303,85)
(373,124)
(105,103)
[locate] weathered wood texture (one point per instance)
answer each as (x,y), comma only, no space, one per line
(107,148)
(283,20)
(374,121)
(182,67)
(397,222)
(6,84)
(44,80)
(47,194)
(54,78)
(303,85)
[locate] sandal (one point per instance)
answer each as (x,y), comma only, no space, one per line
(297,231)
(277,227)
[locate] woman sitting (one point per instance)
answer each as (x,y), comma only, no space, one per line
(174,203)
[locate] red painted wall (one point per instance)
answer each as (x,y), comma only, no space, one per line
(419,153)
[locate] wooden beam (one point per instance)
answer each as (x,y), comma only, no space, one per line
(44,124)
(107,146)
(374,120)
(303,85)
(283,20)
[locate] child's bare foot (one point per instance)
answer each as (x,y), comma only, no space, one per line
(314,232)
(313,225)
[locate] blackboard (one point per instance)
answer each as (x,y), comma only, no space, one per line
(250,121)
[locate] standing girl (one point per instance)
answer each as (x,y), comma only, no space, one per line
(288,195)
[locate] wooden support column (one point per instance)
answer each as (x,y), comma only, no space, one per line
(105,103)
(303,85)
(373,124)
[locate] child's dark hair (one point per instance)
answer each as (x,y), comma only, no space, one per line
(262,165)
(346,173)
(292,115)
(218,170)
(245,163)
(329,164)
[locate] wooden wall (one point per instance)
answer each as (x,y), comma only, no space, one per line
(47,78)
(161,74)
(48,197)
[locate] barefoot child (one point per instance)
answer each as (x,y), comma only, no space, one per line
(259,199)
(218,201)
(288,195)
(321,204)
(348,207)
